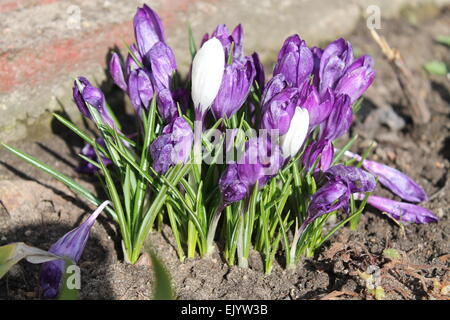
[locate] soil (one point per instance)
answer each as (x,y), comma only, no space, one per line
(38,210)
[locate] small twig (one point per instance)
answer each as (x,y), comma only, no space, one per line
(419,110)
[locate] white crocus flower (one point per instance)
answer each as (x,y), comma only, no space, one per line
(207,73)
(293,140)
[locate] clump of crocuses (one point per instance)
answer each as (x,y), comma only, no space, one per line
(224,155)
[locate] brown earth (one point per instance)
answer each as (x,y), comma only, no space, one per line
(36,209)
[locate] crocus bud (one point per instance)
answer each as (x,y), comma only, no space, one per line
(84,93)
(332,196)
(405,212)
(115,68)
(334,61)
(71,246)
(321,148)
(278,112)
(148,29)
(236,83)
(318,108)
(293,140)
(173,146)
(295,61)
(161,61)
(272,88)
(260,162)
(393,179)
(357,78)
(166,105)
(339,120)
(207,73)
(140,89)
(89,152)
(260,76)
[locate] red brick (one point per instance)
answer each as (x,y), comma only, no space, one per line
(8,5)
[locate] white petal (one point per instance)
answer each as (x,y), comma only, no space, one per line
(207,73)
(293,140)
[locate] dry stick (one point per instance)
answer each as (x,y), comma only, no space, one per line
(419,110)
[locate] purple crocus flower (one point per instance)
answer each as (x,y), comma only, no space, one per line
(148,29)
(89,152)
(321,148)
(396,181)
(87,93)
(115,68)
(330,197)
(161,60)
(318,108)
(401,211)
(236,84)
(334,61)
(357,78)
(167,106)
(223,35)
(335,193)
(295,61)
(272,88)
(140,89)
(356,179)
(260,162)
(339,120)
(279,110)
(173,146)
(70,246)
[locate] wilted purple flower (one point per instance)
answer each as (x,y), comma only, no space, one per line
(70,246)
(173,146)
(148,29)
(87,93)
(396,181)
(356,179)
(161,60)
(321,148)
(401,211)
(334,61)
(339,120)
(332,196)
(295,61)
(357,78)
(236,84)
(89,152)
(140,89)
(115,68)
(261,161)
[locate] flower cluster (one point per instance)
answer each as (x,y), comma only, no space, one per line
(283,177)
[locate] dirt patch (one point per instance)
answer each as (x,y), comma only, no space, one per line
(38,210)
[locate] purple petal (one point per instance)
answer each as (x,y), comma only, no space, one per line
(339,120)
(401,211)
(357,179)
(115,68)
(163,65)
(78,96)
(147,28)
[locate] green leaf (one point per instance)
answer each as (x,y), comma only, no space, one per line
(68,293)
(59,176)
(435,67)
(163,288)
(443,39)
(12,253)
(192,46)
